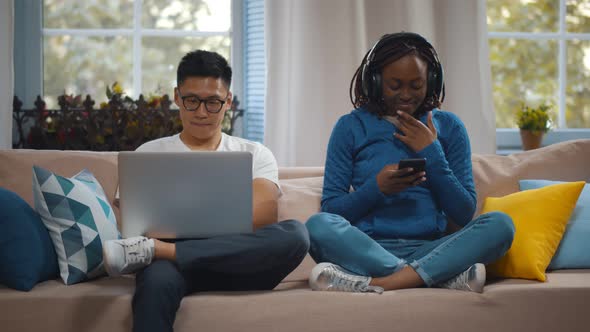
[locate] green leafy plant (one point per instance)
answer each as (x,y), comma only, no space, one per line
(536,119)
(116,92)
(117,125)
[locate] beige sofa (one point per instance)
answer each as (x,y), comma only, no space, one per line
(560,304)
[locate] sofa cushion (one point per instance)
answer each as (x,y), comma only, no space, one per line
(300,200)
(497,176)
(560,304)
(26,252)
(574,250)
(539,217)
(79,218)
(16,168)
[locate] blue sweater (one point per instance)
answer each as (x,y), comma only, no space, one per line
(361,144)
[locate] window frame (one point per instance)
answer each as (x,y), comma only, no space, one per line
(508,139)
(30,33)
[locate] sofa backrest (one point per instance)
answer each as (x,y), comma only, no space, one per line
(16,168)
(302,186)
(497,176)
(494,176)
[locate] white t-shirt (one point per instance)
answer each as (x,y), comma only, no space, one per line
(264,164)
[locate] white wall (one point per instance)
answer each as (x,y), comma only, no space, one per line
(457,29)
(6,73)
(314,47)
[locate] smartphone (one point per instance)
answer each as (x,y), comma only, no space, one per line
(417,164)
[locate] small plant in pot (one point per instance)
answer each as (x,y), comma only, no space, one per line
(533,122)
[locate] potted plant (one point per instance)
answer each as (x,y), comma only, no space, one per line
(533,122)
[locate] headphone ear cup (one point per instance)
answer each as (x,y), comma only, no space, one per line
(440,84)
(365,84)
(431,83)
(435,83)
(376,87)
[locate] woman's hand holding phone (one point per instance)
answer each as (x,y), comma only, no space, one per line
(392,180)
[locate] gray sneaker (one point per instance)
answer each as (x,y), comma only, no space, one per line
(127,255)
(331,277)
(472,279)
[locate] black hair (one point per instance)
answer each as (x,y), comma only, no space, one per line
(388,51)
(203,64)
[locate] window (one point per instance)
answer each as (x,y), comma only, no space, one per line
(540,52)
(88,45)
(83,46)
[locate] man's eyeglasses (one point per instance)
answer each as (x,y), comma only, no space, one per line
(192,103)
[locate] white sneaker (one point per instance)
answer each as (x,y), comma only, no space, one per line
(472,279)
(331,277)
(127,255)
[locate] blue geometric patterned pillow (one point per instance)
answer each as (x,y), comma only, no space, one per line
(79,219)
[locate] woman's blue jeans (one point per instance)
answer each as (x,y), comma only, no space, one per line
(483,240)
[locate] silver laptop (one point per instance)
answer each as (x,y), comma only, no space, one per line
(185,194)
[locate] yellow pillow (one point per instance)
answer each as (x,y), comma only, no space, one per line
(539,216)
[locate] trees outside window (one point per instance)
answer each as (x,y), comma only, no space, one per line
(88,45)
(540,52)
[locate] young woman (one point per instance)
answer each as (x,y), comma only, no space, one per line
(389,231)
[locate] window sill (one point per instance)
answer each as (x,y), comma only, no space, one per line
(506,152)
(508,140)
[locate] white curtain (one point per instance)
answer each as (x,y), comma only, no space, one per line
(314,47)
(6,73)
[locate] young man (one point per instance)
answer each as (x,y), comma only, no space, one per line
(166,272)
